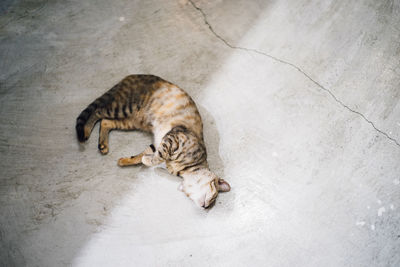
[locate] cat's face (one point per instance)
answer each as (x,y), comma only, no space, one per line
(203,188)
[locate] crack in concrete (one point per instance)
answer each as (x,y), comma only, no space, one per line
(295,67)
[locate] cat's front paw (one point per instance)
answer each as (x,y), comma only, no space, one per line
(123,162)
(103,149)
(134,160)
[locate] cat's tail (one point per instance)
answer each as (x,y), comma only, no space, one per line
(86,121)
(106,106)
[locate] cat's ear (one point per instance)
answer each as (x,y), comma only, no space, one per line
(223,185)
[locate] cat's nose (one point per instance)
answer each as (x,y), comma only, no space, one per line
(202,202)
(207,204)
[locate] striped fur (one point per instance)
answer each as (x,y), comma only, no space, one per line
(151,104)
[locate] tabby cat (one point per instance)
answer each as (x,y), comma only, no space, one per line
(151,104)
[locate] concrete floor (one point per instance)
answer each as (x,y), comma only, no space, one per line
(300,101)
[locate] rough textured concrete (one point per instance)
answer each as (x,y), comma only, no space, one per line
(300,101)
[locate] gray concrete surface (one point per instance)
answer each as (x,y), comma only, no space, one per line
(300,101)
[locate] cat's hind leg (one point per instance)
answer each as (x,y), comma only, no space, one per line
(106,126)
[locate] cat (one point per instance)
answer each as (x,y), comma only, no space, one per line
(151,104)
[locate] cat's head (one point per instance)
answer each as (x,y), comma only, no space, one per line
(203,186)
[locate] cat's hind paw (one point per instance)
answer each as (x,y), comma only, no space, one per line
(103,149)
